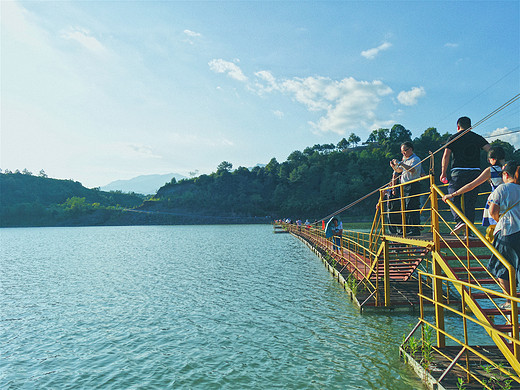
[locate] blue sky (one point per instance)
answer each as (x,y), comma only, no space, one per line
(98,91)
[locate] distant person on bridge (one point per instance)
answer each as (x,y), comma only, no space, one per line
(505,208)
(465,167)
(334,231)
(410,169)
(493,174)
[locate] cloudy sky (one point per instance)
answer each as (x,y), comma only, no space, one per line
(98,91)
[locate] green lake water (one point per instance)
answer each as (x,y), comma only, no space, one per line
(190,307)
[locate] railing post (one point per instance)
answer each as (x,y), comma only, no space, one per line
(403,207)
(436,268)
(386,272)
(377,282)
(381,208)
(514,315)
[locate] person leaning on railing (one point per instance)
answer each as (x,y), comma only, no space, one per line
(493,174)
(505,208)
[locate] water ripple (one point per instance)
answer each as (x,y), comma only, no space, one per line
(200,307)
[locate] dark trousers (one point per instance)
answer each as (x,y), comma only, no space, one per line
(413,218)
(394,218)
(459,178)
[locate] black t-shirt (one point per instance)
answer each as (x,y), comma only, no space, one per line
(466,150)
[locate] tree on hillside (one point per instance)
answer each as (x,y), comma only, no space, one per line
(379,136)
(343,144)
(508,148)
(399,134)
(353,139)
(273,166)
(224,166)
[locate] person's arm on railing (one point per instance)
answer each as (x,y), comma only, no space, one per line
(483,177)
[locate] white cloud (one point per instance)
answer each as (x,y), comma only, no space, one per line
(278,113)
(192,34)
(348,104)
(353,105)
(232,70)
(268,78)
(309,91)
(84,38)
(410,98)
(139,150)
(451,45)
(372,53)
(501,134)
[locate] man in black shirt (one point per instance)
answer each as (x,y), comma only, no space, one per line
(465,167)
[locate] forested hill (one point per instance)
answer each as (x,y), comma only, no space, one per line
(27,200)
(310,184)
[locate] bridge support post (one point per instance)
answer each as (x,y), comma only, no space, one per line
(386,262)
(436,268)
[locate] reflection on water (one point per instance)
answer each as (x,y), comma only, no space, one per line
(184,307)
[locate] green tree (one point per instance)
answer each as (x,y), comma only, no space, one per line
(343,144)
(379,136)
(353,139)
(399,134)
(224,166)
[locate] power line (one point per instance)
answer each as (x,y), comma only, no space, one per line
(481,93)
(513,131)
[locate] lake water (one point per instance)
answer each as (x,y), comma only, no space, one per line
(198,307)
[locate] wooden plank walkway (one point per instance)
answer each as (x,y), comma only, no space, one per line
(403,293)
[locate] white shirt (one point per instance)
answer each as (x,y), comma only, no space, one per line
(411,162)
(507,195)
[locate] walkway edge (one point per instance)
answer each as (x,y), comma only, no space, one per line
(426,377)
(334,272)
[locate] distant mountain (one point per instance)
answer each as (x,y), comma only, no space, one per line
(144,184)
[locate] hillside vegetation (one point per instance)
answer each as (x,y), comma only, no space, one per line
(310,184)
(27,200)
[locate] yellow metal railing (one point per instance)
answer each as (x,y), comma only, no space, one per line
(456,266)
(506,342)
(354,255)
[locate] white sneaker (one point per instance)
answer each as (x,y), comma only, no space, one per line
(458,227)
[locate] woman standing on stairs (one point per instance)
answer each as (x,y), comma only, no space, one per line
(504,207)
